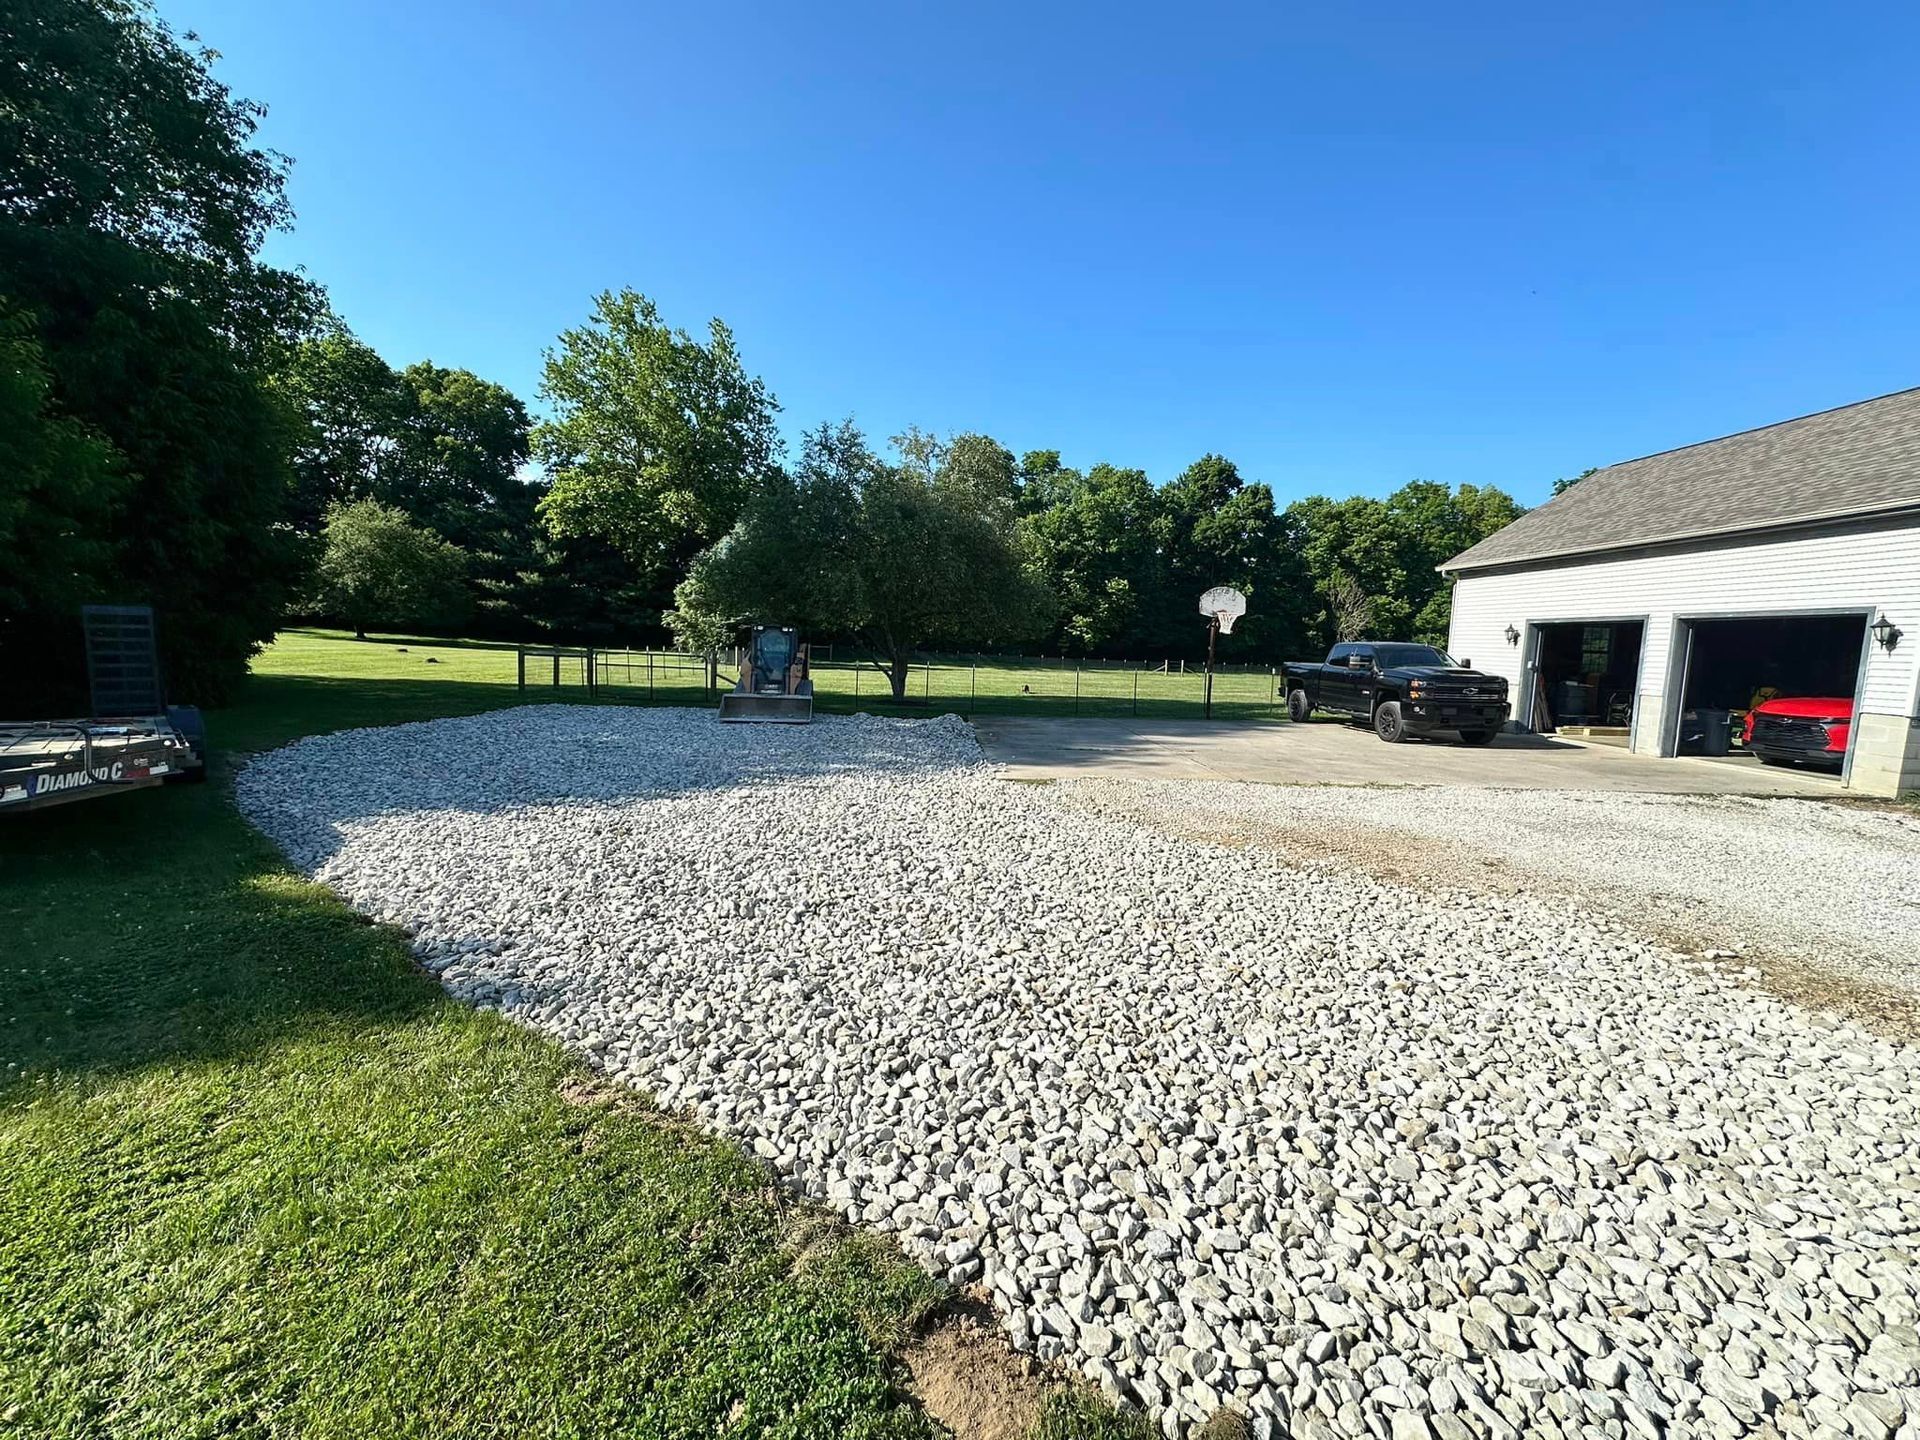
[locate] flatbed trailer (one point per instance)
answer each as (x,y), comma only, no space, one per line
(133,739)
(53,762)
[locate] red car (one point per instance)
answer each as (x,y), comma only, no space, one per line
(1809,730)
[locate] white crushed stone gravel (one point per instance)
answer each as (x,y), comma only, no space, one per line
(1361,1159)
(1835,884)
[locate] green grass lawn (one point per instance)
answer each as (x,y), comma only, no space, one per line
(260,1177)
(328,678)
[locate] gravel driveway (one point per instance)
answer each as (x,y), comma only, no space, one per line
(1362,1159)
(1833,887)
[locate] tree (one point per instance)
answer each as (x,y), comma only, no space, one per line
(59,486)
(1391,550)
(1567,482)
(1093,546)
(1350,608)
(1214,528)
(353,415)
(463,455)
(657,440)
(442,445)
(133,203)
(898,556)
(378,568)
(984,465)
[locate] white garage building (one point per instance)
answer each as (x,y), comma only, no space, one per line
(1656,597)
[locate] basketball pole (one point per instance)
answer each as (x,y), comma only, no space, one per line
(1213,629)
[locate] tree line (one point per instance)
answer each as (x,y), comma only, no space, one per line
(184,425)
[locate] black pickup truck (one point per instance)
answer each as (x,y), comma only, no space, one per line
(1401,690)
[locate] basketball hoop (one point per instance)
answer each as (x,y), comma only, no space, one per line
(1223,605)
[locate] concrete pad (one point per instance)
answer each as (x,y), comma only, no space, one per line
(1327,752)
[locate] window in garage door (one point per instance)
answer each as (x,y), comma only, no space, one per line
(1733,664)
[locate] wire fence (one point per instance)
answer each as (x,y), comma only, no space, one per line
(984,685)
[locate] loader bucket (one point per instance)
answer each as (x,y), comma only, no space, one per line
(774,688)
(794,709)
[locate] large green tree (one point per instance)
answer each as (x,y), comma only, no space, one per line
(379,568)
(133,203)
(900,557)
(1215,528)
(59,486)
(443,446)
(657,440)
(464,456)
(1390,550)
(1092,542)
(352,416)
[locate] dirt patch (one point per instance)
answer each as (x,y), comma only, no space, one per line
(1888,1012)
(971,1380)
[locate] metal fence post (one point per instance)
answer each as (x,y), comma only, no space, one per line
(1136,692)
(973,688)
(856,681)
(1076,688)
(520,656)
(926,685)
(649,675)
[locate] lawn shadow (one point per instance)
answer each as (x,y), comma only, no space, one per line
(161,926)
(176,935)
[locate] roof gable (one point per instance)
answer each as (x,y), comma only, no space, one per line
(1857,460)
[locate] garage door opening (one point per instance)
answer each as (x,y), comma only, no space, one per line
(1585,675)
(1732,666)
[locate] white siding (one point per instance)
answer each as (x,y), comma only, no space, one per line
(1876,571)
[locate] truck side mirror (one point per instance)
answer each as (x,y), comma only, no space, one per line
(1465,664)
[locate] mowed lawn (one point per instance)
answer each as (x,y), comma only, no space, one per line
(259,1177)
(334,675)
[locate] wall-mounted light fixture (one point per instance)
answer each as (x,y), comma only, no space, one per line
(1886,632)
(1513,636)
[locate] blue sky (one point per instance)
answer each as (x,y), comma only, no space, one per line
(1345,245)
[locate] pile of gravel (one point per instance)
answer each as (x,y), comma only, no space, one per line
(1360,1159)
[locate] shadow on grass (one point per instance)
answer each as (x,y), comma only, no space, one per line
(157,926)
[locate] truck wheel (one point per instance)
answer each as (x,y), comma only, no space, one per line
(1477,737)
(1299,708)
(1388,723)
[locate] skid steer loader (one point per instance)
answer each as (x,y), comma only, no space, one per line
(774,687)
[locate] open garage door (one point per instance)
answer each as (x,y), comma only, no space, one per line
(1584,676)
(1733,665)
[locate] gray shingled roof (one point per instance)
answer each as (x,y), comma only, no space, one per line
(1857,460)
